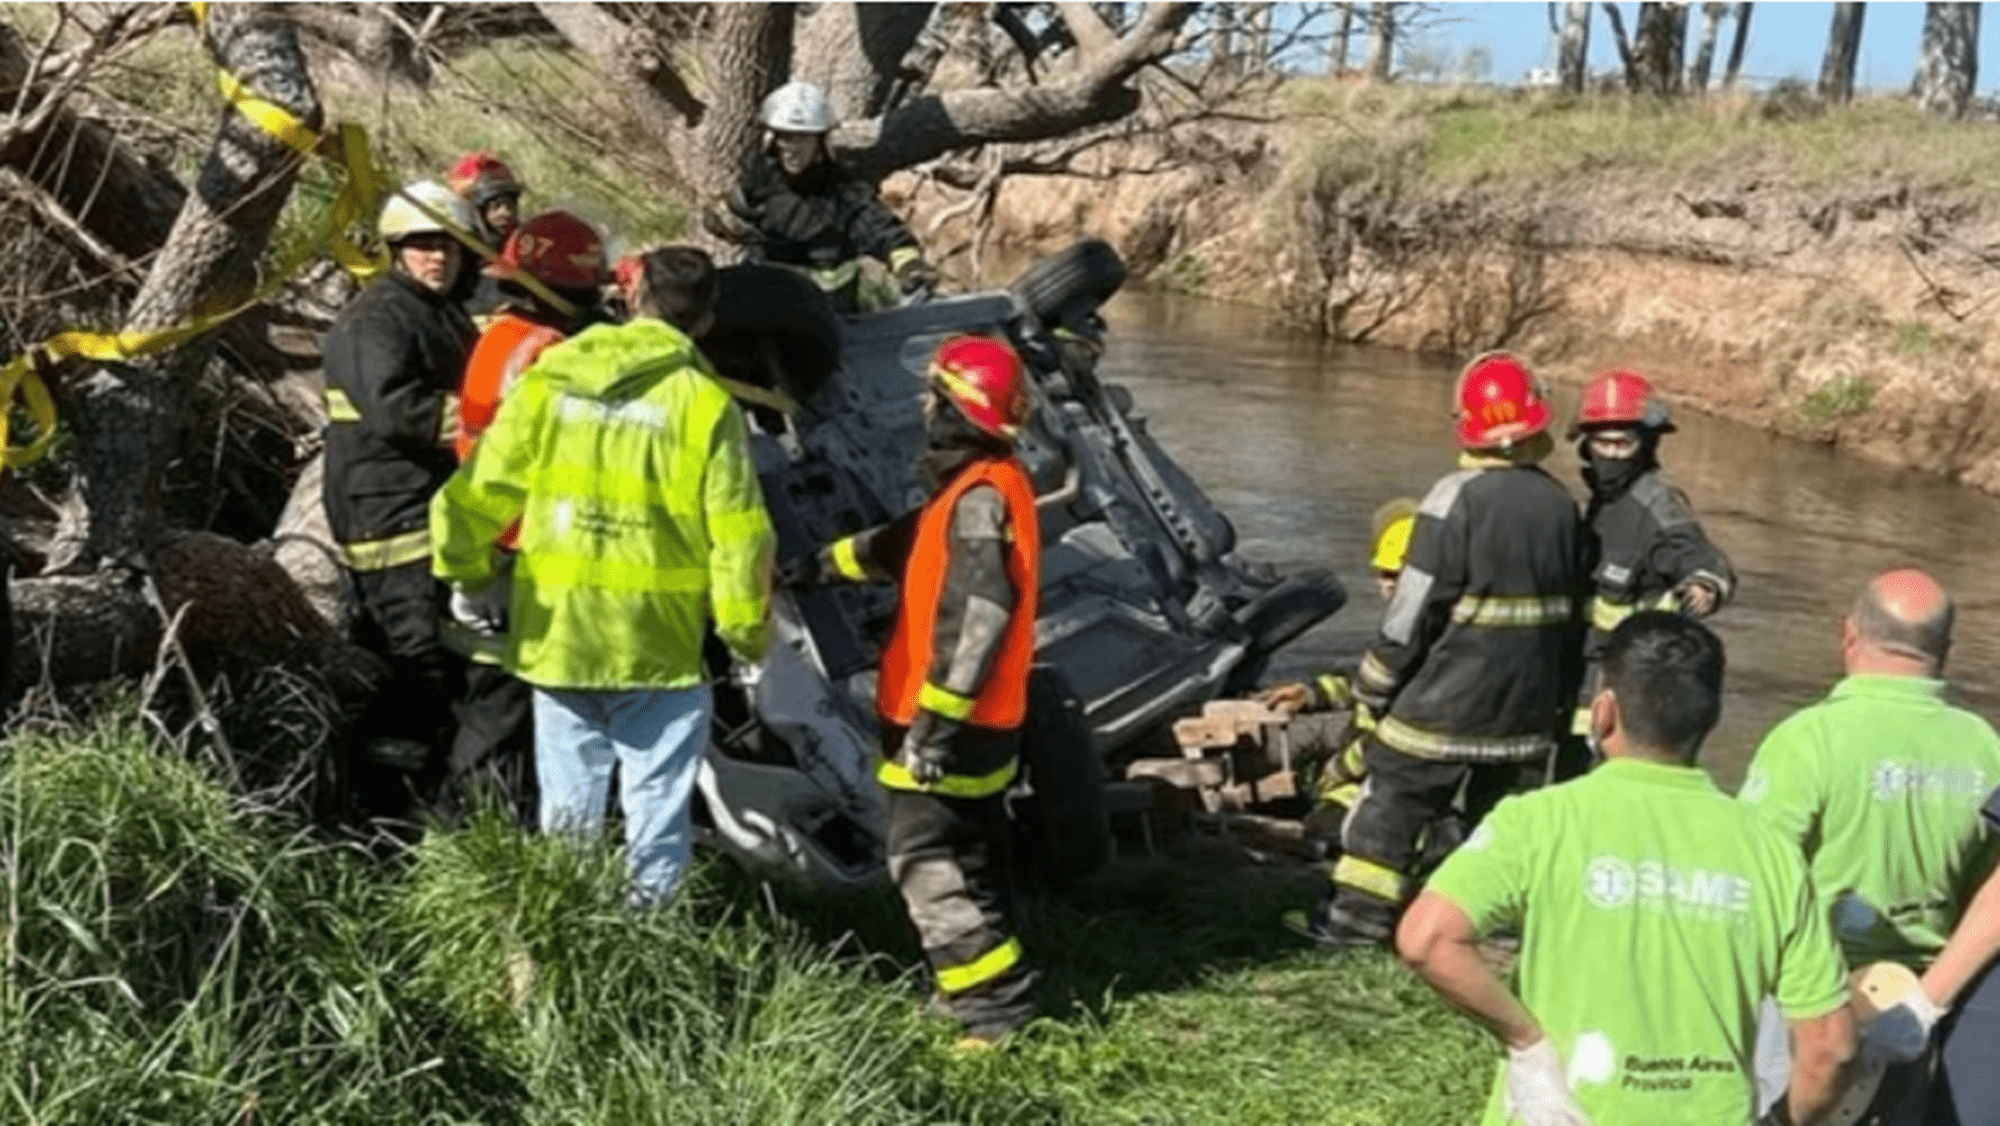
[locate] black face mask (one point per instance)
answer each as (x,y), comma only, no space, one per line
(1610,477)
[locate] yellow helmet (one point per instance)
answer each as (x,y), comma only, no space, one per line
(1394,522)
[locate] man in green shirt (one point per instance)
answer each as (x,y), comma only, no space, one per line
(1880,786)
(1654,912)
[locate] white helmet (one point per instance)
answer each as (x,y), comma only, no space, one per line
(402,218)
(798,107)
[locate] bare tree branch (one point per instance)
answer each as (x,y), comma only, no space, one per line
(1093,36)
(630,55)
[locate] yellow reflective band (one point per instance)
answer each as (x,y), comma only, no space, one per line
(340,408)
(763,397)
(832,278)
(846,562)
(1606,615)
(19,375)
(1374,674)
(979,971)
(903,256)
(1369,878)
(894,775)
(1338,693)
(1579,721)
(948,704)
(550,566)
(268,116)
(1505,612)
(958,386)
(448,421)
(1335,792)
(1401,736)
(483,648)
(382,554)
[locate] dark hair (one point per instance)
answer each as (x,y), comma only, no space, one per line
(1666,673)
(676,284)
(1928,639)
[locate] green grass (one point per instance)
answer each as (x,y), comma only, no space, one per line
(176,956)
(1533,139)
(1844,396)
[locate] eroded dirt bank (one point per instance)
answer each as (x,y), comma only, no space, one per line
(1860,314)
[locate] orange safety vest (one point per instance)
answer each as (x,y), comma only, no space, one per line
(1002,702)
(506,349)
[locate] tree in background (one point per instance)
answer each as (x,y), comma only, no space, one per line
(1843,51)
(1734,68)
(1948,59)
(1381,40)
(1704,53)
(1337,46)
(1573,44)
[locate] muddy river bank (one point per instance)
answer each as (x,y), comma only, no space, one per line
(1298,441)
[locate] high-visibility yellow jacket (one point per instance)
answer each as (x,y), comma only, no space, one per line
(630,471)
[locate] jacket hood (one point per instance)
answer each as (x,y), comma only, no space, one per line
(619,361)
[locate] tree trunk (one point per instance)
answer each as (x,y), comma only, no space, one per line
(1343,27)
(1659,46)
(1259,54)
(1223,52)
(1381,40)
(125,203)
(1573,46)
(1734,68)
(1948,66)
(1843,51)
(126,415)
(1626,58)
(855,51)
(1704,55)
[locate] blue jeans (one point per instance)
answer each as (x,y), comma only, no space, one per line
(656,737)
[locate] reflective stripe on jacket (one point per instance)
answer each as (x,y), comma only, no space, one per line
(629,469)
(1002,701)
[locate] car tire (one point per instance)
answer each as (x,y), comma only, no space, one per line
(1071,281)
(1063,830)
(754,303)
(1289,609)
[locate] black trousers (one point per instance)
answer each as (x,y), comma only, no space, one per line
(1382,838)
(494,745)
(950,859)
(399,610)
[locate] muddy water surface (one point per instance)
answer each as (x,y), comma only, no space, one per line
(1299,441)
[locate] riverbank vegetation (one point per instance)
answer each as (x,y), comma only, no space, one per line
(175,954)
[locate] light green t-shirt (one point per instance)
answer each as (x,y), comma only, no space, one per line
(1880,785)
(1655,914)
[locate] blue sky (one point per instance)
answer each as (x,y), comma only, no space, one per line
(1785,39)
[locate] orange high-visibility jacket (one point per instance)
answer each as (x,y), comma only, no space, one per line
(506,349)
(1002,701)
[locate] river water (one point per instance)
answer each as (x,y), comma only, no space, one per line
(1298,442)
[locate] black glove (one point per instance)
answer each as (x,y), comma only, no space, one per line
(726,223)
(916,276)
(927,747)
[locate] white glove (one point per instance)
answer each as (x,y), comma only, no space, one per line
(476,612)
(1899,1033)
(1537,1092)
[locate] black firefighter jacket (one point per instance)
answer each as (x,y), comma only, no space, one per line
(1478,657)
(393,361)
(826,218)
(1647,545)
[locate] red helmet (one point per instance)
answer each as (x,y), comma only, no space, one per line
(558,249)
(983,378)
(1500,403)
(482,178)
(1621,398)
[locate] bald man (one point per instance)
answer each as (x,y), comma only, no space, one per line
(1881,785)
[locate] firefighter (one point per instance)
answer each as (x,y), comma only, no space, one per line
(1474,669)
(393,359)
(496,732)
(484,181)
(794,205)
(1337,782)
(629,469)
(1650,550)
(953,690)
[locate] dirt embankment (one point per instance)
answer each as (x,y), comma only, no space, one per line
(1861,315)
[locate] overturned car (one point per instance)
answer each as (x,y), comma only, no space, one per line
(1146,610)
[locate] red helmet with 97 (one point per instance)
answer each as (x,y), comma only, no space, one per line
(558,249)
(1621,398)
(1500,403)
(983,378)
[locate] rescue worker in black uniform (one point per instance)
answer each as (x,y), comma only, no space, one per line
(794,205)
(952,695)
(393,360)
(1648,552)
(490,186)
(1475,669)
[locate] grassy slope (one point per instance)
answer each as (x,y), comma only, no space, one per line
(179,959)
